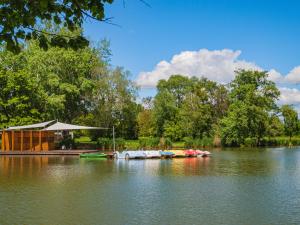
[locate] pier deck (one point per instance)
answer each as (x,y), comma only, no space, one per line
(52,152)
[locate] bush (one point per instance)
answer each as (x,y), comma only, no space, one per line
(107,143)
(132,144)
(188,142)
(250,142)
(148,142)
(198,142)
(68,143)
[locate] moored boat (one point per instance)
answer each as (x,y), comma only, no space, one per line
(201,153)
(93,155)
(178,153)
(152,154)
(166,154)
(130,155)
(190,153)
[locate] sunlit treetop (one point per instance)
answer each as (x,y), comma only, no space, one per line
(19,21)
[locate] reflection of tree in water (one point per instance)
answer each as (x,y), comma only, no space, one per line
(244,162)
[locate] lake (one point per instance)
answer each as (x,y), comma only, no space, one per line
(257,186)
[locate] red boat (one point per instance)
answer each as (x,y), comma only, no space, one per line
(190,153)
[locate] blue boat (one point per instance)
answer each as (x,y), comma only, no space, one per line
(166,154)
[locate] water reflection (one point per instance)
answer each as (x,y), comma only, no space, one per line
(224,163)
(231,187)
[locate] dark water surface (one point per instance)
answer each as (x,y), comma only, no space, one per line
(232,187)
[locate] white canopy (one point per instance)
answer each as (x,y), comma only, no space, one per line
(65,126)
(31,126)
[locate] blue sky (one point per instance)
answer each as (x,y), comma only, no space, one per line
(260,34)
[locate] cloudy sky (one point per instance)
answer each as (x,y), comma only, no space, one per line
(205,38)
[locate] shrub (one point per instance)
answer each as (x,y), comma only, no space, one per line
(147,142)
(188,142)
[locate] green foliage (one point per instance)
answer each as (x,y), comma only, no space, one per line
(198,142)
(188,107)
(148,142)
(107,143)
(19,96)
(71,86)
(19,21)
(290,120)
(145,122)
(253,99)
(132,144)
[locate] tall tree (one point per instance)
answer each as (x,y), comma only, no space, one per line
(290,117)
(253,98)
(20,101)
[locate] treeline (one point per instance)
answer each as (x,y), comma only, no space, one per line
(73,86)
(80,86)
(201,112)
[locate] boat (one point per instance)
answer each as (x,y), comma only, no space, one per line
(93,155)
(201,153)
(130,155)
(178,153)
(206,154)
(191,153)
(166,154)
(152,154)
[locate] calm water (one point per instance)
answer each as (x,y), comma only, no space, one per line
(232,187)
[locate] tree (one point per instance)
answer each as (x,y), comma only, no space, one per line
(145,119)
(19,21)
(253,98)
(19,99)
(290,117)
(275,126)
(69,85)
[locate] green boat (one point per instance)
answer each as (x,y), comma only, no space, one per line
(93,155)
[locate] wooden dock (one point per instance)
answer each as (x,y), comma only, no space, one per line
(51,152)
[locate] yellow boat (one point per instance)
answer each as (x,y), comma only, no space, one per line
(178,153)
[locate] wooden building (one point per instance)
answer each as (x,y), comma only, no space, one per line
(36,137)
(24,140)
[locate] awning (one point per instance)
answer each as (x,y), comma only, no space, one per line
(31,126)
(64,126)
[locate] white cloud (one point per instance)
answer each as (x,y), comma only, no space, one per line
(289,96)
(275,76)
(294,75)
(217,65)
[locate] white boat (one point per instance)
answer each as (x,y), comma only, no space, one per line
(130,155)
(152,154)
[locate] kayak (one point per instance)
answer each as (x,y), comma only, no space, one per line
(93,155)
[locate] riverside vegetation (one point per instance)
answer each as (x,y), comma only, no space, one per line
(80,86)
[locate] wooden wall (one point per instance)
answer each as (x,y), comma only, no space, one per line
(27,140)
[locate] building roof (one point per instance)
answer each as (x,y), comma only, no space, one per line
(64,126)
(31,126)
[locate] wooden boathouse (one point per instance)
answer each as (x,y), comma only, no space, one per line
(40,137)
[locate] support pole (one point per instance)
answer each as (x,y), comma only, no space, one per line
(22,140)
(12,140)
(40,140)
(114,142)
(30,141)
(3,141)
